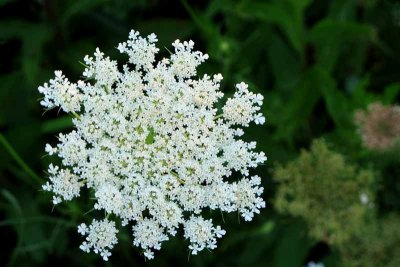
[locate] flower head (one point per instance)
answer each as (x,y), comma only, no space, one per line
(324,190)
(151,146)
(379,126)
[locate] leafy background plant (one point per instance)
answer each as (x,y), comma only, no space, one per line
(315,61)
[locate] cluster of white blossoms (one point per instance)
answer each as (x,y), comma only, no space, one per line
(101,237)
(152,148)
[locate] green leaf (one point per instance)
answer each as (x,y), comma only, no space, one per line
(299,107)
(34,178)
(286,14)
(390,93)
(13,29)
(343,9)
(12,200)
(33,43)
(293,246)
(8,82)
(203,22)
(217,6)
(329,38)
(15,211)
(150,136)
(337,103)
(33,37)
(286,66)
(57,125)
(78,7)
(358,89)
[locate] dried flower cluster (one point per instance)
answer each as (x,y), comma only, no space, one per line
(329,194)
(379,126)
(151,146)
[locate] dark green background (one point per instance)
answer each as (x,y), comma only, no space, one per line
(315,62)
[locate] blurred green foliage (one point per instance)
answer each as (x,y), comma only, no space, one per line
(315,61)
(376,244)
(331,195)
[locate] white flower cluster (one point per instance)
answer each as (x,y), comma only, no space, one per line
(151,147)
(202,234)
(101,237)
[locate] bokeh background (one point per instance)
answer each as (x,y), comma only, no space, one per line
(329,71)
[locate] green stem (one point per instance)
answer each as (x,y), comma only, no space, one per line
(168,50)
(89,211)
(19,160)
(83,64)
(76,115)
(204,24)
(177,177)
(192,14)
(219,116)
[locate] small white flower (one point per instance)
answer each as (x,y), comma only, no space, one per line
(85,247)
(364,198)
(218,77)
(242,86)
(152,38)
(53,169)
(56,200)
(259,119)
(105,255)
(259,99)
(149,254)
(122,47)
(50,150)
(82,229)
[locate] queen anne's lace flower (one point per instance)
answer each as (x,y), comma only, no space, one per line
(151,147)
